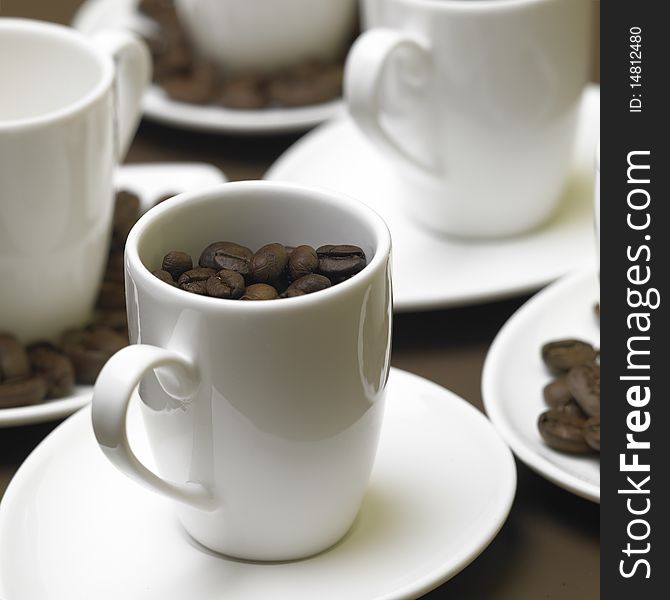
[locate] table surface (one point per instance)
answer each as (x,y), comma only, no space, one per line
(549,546)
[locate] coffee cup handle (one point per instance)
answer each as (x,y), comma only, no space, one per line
(133,73)
(363,78)
(111,397)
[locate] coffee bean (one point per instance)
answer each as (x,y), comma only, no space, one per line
(176,60)
(572,408)
(563,431)
(176,263)
(307,84)
(54,367)
(22,391)
(268,263)
(227,255)
(584,384)
(112,296)
(13,358)
(302,261)
(89,349)
(225,284)
(561,355)
(556,392)
(195,280)
(596,309)
(164,276)
(339,262)
(243,92)
(592,432)
(307,284)
(196,86)
(260,291)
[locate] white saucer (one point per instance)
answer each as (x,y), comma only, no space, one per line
(71,526)
(436,272)
(514,376)
(95,15)
(150,182)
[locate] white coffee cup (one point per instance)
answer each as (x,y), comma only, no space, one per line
(476,104)
(263,416)
(69,107)
(268,35)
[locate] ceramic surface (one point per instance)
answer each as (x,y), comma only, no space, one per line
(475,104)
(98,14)
(67,122)
(266,35)
(263,416)
(150,182)
(514,376)
(432,271)
(441,488)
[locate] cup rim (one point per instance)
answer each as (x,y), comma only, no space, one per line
(133,264)
(60,32)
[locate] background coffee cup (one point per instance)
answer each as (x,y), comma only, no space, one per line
(67,116)
(266,414)
(268,35)
(476,103)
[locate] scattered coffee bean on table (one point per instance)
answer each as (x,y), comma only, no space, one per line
(231,271)
(572,423)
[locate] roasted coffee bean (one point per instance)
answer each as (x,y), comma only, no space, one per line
(572,408)
(244,92)
(341,261)
(225,284)
(592,432)
(196,86)
(302,261)
(307,284)
(584,384)
(176,263)
(175,61)
(54,367)
(268,263)
(22,391)
(562,355)
(305,85)
(563,431)
(126,213)
(112,296)
(195,280)
(260,291)
(557,393)
(164,276)
(89,349)
(227,255)
(13,358)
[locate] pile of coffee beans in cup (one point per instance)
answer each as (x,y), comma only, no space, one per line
(185,77)
(231,271)
(572,423)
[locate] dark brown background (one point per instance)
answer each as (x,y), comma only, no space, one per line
(549,546)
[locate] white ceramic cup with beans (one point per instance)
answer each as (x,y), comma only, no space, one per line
(268,35)
(69,107)
(263,416)
(475,104)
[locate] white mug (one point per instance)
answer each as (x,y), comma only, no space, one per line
(268,35)
(69,107)
(263,416)
(476,103)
